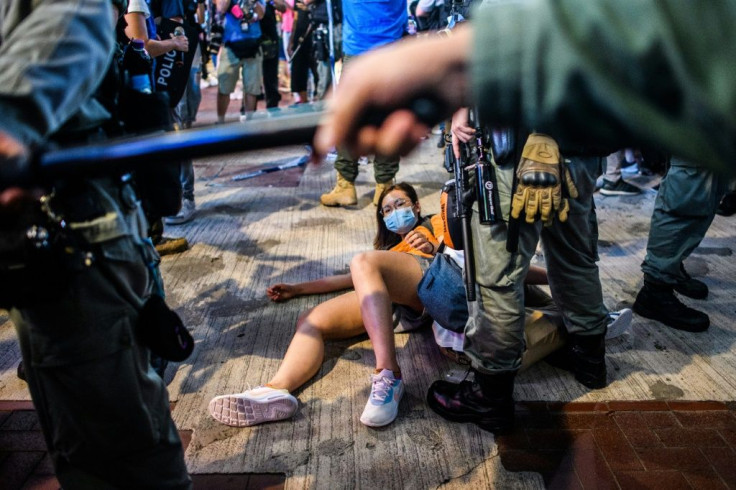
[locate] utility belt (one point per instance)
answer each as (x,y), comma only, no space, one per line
(62,234)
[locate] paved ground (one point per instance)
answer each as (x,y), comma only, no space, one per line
(653,442)
(625,445)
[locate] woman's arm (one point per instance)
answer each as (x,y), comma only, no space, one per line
(329,284)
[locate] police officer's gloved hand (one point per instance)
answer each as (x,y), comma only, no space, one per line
(539,182)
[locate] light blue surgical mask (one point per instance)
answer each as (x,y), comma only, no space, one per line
(401,221)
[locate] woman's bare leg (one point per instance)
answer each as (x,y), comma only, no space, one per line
(336,318)
(380,278)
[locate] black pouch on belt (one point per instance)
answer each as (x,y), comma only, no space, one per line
(162,331)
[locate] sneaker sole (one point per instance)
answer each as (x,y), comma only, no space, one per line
(381,424)
(620,325)
(653,315)
(618,193)
(239,411)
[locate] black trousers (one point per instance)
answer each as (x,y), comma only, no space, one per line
(271,81)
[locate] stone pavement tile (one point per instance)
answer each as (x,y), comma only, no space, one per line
(658,420)
(579,421)
(688,406)
(643,406)
(704,479)
(238,482)
(545,463)
(21,420)
(686,437)
(615,447)
(15,469)
(589,463)
(42,482)
(729,435)
(551,439)
(4,414)
(652,480)
(45,467)
(577,407)
(22,440)
(10,406)
(565,477)
(717,419)
(604,420)
(673,458)
(724,462)
(635,429)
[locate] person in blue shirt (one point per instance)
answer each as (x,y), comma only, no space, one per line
(366,26)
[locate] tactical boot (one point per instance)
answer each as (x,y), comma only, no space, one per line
(658,302)
(380,187)
(589,359)
(342,195)
(690,287)
(584,356)
(486,402)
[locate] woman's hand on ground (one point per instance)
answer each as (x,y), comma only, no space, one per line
(280,292)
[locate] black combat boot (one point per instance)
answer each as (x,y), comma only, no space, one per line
(585,357)
(658,302)
(487,402)
(588,353)
(691,287)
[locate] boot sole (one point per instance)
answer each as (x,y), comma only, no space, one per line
(653,315)
(495,425)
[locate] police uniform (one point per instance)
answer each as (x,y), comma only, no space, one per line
(103,410)
(494,336)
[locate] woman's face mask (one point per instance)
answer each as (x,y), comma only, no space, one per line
(401,221)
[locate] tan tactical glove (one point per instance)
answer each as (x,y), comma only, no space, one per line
(539,186)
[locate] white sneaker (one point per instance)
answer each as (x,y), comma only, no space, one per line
(253,407)
(383,404)
(186,213)
(619,323)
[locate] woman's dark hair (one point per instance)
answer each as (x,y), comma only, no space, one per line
(386,239)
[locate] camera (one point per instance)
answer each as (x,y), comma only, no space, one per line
(244,11)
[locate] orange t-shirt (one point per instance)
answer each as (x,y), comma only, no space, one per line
(436,224)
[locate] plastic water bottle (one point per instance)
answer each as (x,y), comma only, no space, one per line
(137,65)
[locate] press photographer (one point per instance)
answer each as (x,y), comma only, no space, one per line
(322,40)
(241,52)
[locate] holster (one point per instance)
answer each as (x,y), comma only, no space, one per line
(32,266)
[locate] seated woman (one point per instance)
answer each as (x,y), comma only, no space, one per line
(404,247)
(405,244)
